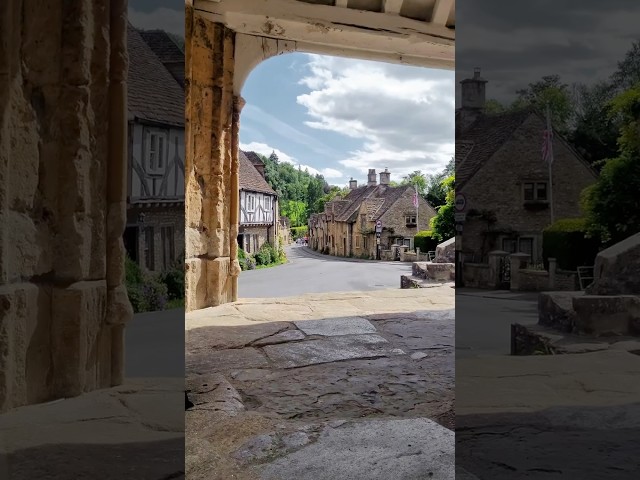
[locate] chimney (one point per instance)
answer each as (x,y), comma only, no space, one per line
(385,177)
(473,91)
(372,178)
(353,184)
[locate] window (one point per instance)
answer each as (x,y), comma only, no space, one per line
(364,242)
(526,246)
(535,191)
(156,151)
(363,222)
(358,241)
(407,242)
(410,220)
(148,248)
(251,203)
(509,245)
(168,251)
(267,203)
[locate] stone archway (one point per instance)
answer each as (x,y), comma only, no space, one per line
(225,40)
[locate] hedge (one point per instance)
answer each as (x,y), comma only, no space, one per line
(425,241)
(566,241)
(299,232)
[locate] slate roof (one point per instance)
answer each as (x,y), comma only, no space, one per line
(378,200)
(250,178)
(153,93)
(167,51)
(482,139)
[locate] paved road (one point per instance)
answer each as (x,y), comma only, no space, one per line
(310,272)
(484,318)
(155,344)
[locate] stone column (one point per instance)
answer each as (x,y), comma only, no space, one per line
(208,162)
(238,104)
(518,261)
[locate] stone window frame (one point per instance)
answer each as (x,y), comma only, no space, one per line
(161,134)
(410,220)
(535,184)
(358,241)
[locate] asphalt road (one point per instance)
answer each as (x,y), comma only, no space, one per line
(310,272)
(484,318)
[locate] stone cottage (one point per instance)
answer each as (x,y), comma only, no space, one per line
(259,222)
(347,227)
(154,234)
(502,181)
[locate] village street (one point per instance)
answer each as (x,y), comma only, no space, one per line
(310,272)
(323,385)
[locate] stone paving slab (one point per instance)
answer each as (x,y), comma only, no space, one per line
(336,326)
(211,361)
(405,449)
(334,349)
(287,336)
(141,424)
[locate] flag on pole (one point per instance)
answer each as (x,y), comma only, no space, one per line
(415,198)
(547,145)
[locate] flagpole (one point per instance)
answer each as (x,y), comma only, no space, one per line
(417,203)
(550,161)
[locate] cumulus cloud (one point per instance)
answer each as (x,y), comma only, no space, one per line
(265,149)
(404,116)
(162,18)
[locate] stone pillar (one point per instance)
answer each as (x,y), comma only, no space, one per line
(238,104)
(495,258)
(209,167)
(518,261)
(63,304)
(553,266)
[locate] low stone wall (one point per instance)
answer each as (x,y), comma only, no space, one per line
(407,256)
(565,280)
(476,275)
(532,280)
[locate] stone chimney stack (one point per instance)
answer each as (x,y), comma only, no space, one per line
(353,184)
(373,181)
(473,91)
(385,177)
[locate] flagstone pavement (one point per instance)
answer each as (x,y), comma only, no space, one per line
(355,385)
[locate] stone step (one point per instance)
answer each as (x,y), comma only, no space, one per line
(411,281)
(543,340)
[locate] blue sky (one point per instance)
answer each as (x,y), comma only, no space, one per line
(337,116)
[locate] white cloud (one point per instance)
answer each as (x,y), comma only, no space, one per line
(265,149)
(404,116)
(162,18)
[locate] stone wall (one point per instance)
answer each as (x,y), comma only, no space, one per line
(476,275)
(63,131)
(532,280)
(211,164)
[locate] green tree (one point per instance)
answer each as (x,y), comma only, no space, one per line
(416,179)
(443,224)
(612,204)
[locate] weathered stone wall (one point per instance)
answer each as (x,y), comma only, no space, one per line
(497,187)
(532,280)
(211,164)
(63,305)
(476,275)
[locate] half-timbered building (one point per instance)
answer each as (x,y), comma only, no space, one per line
(258,205)
(154,235)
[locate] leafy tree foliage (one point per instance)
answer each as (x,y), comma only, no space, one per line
(443,224)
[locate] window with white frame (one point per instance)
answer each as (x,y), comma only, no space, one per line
(155,148)
(535,191)
(251,202)
(267,203)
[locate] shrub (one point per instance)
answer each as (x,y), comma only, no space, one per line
(264,256)
(173,278)
(566,241)
(249,263)
(241,254)
(426,241)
